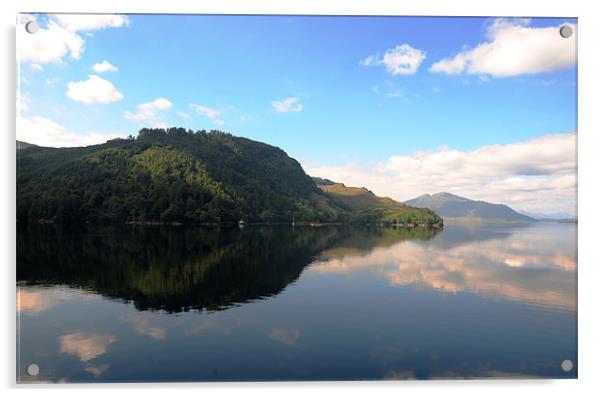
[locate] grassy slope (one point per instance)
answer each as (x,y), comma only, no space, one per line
(371,207)
(360,198)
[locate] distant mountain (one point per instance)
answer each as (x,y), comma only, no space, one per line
(556,216)
(371,207)
(449,205)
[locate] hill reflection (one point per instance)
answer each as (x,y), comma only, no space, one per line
(179,269)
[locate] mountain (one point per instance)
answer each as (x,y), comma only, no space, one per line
(373,208)
(172,175)
(552,216)
(451,206)
(179,176)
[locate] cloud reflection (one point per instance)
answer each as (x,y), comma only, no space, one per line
(142,326)
(524,266)
(34,300)
(97,370)
(285,336)
(86,345)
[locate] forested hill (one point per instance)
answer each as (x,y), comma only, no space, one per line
(173,175)
(177,175)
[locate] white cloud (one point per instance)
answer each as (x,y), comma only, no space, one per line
(287,105)
(184,115)
(103,67)
(59,37)
(150,112)
(537,175)
(401,60)
(206,111)
(218,122)
(514,48)
(87,22)
(22,102)
(36,67)
(93,90)
(45,132)
(49,45)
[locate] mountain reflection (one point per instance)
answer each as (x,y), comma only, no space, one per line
(179,269)
(531,265)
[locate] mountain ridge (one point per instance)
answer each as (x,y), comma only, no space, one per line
(452,206)
(176,175)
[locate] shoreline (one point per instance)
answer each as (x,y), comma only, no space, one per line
(242,225)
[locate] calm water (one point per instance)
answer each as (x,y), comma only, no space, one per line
(284,303)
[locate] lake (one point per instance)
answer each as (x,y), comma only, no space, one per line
(151,303)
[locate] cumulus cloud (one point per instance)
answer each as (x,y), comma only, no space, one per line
(287,105)
(537,175)
(513,48)
(103,67)
(58,37)
(401,60)
(94,90)
(45,132)
(150,112)
(49,45)
(88,22)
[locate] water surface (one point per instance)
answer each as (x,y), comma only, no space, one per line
(107,304)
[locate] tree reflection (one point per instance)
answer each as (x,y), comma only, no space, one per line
(179,269)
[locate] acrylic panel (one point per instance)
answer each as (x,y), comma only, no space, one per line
(288,197)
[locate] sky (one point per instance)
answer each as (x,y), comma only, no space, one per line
(480,107)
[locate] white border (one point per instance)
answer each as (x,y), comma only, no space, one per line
(590,205)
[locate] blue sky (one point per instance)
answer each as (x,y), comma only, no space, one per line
(321,88)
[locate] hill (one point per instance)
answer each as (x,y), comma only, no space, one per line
(451,206)
(372,208)
(181,176)
(173,175)
(23,145)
